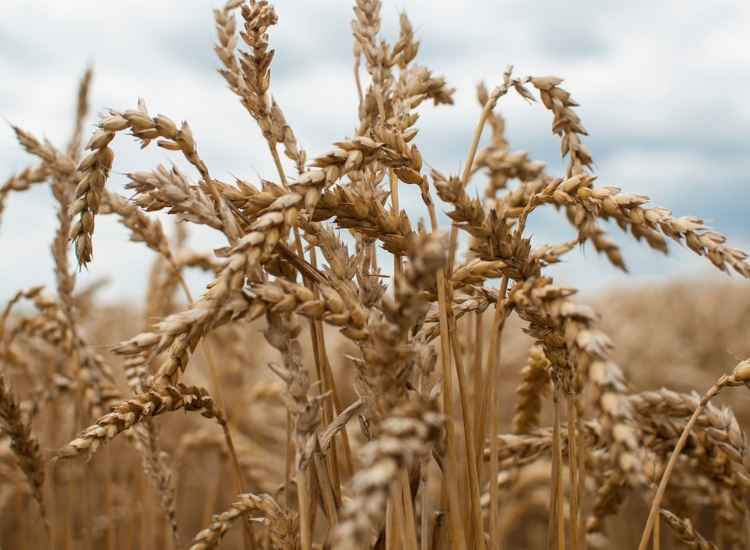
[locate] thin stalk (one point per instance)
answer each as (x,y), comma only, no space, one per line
(458,539)
(558,479)
(136,511)
(277,161)
(581,448)
(211,496)
(390,529)
(70,507)
(399,533)
(329,502)
(337,409)
(493,356)
(476,510)
(477,368)
(398,266)
(107,468)
(288,458)
(554,503)
(54,512)
(149,514)
(551,531)
(356,79)
(313,491)
(328,413)
(304,509)
(494,397)
(715,390)
(247,530)
(88,507)
(425,487)
(21,518)
(494,465)
(410,536)
(572,469)
(321,359)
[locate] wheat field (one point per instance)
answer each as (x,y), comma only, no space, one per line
(353,377)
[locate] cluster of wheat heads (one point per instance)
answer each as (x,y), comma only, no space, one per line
(429,467)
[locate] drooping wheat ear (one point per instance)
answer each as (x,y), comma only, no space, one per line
(284,524)
(684,531)
(24,445)
(566,123)
(531,391)
(626,208)
(139,409)
(95,168)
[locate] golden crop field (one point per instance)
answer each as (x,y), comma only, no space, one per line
(444,394)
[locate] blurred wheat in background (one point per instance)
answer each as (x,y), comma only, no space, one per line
(444,393)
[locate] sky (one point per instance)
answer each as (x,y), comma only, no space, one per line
(662,88)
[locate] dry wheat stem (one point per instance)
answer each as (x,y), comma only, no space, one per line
(498,324)
(469,438)
(572,468)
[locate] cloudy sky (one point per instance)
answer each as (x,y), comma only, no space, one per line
(662,87)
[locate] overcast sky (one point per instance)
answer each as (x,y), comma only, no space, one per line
(663,88)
